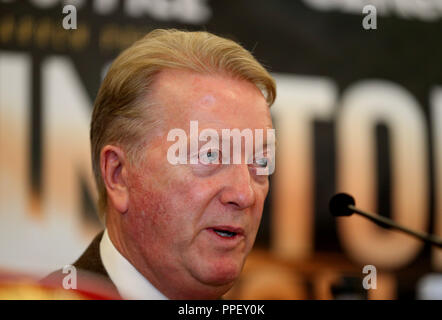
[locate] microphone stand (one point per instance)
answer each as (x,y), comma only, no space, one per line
(385,222)
(343,204)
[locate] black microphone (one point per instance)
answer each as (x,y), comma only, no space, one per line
(343,204)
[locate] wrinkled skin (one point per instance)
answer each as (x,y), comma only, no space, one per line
(160,214)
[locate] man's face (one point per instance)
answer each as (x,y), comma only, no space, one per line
(179,214)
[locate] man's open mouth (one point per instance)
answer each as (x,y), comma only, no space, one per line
(224,233)
(227,232)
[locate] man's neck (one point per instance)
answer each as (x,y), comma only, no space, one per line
(131,284)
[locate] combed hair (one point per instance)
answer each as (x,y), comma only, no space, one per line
(121,112)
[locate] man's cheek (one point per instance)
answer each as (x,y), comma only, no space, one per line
(202,191)
(147,208)
(188,193)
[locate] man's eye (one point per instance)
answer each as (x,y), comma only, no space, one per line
(210,156)
(262,162)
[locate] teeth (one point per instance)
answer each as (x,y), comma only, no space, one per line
(226,234)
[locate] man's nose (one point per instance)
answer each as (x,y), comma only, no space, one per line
(238,191)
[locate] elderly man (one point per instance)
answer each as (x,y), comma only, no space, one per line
(177,230)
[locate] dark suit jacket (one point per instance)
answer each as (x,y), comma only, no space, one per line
(91,274)
(90,271)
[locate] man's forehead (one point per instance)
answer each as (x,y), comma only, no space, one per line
(194,96)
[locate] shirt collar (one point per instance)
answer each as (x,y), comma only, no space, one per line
(130,283)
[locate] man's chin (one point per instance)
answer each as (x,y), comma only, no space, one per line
(220,274)
(222,280)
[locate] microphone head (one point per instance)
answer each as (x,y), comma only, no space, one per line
(339,203)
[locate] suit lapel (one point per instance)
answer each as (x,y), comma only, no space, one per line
(90,260)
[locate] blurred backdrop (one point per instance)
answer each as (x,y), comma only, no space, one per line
(357,111)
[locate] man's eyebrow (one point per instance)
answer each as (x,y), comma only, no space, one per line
(223,138)
(275,140)
(265,144)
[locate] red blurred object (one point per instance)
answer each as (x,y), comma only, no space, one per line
(15,286)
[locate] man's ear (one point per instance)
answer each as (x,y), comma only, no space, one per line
(114,172)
